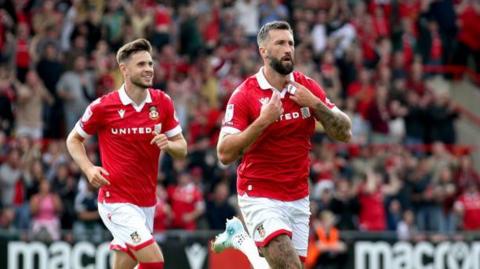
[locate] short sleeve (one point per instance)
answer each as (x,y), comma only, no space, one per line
(170,123)
(317,90)
(91,120)
(236,114)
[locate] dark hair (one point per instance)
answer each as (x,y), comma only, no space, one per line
(132,47)
(274,25)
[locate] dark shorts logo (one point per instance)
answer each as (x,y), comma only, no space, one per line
(261,230)
(135,237)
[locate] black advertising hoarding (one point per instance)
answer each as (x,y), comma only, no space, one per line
(191,251)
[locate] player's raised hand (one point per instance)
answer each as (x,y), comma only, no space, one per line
(271,111)
(95,176)
(301,95)
(161,140)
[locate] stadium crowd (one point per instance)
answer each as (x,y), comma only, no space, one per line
(376,59)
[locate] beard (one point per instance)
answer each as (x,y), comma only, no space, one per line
(281,66)
(140,83)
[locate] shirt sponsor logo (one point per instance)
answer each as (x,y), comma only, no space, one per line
(133,130)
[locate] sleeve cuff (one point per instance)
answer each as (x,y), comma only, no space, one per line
(81,132)
(174,131)
(230,130)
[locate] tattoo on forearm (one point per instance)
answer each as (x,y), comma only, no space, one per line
(336,125)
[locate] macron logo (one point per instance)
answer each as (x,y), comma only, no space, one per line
(121,112)
(264,100)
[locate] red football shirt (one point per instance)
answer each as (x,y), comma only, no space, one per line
(372,210)
(470,202)
(184,200)
(277,163)
(124,134)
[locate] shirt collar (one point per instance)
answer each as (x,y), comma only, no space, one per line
(262,80)
(126,99)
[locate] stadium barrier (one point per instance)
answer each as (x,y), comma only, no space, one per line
(184,250)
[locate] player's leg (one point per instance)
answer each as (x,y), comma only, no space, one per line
(280,253)
(149,254)
(128,225)
(122,260)
(300,215)
(236,237)
(279,229)
(149,257)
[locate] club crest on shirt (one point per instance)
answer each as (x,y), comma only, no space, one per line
(261,230)
(153,113)
(135,237)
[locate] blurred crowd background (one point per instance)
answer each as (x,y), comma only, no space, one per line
(384,62)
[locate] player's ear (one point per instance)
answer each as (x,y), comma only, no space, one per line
(123,67)
(263,51)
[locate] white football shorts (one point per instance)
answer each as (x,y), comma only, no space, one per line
(131,226)
(267,218)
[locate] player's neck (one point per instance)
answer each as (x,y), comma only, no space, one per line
(275,79)
(137,94)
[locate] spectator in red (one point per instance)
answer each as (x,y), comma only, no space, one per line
(468,13)
(163,211)
(378,115)
(466,173)
(362,91)
(409,8)
(187,203)
(468,207)
(22,54)
(416,80)
(372,216)
(163,22)
(380,22)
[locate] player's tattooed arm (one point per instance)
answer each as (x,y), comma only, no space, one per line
(337,124)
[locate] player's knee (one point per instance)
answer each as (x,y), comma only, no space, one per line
(150,253)
(280,253)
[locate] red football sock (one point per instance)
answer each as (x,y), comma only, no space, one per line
(150,265)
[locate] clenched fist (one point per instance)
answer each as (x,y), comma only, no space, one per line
(161,140)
